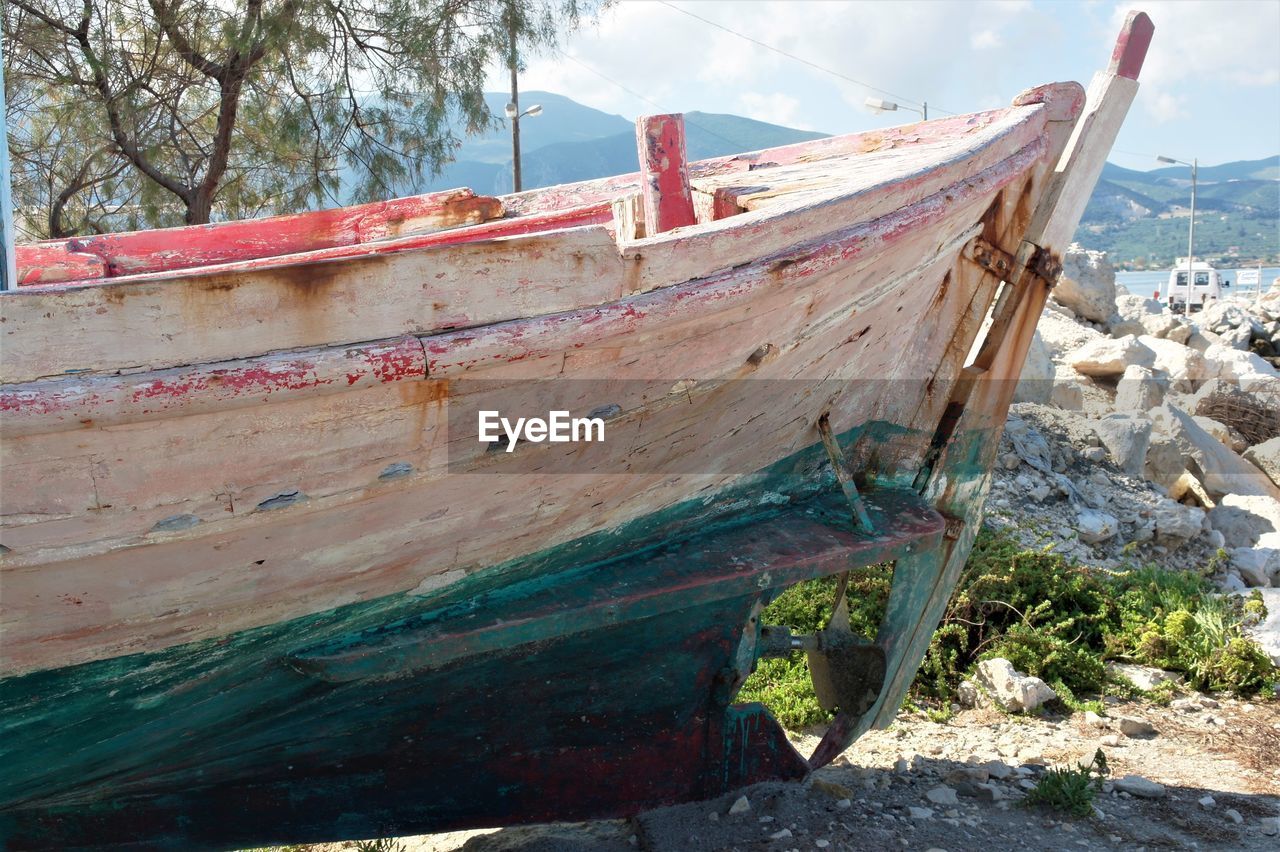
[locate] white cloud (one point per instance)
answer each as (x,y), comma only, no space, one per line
(1229,40)
(671,59)
(775,108)
(985,40)
(1164,107)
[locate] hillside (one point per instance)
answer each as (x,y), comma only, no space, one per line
(571,142)
(1139,217)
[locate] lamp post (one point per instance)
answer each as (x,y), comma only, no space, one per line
(8,264)
(877,106)
(514,114)
(512,111)
(1191,229)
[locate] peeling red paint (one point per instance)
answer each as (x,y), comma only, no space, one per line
(54,404)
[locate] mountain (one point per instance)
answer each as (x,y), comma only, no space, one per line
(570,142)
(1140,218)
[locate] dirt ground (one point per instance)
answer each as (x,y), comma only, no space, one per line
(958,785)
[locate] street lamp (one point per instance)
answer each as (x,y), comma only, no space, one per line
(514,114)
(1191,229)
(877,106)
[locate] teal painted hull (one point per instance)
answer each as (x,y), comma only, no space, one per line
(590,681)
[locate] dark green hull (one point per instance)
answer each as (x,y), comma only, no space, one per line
(595,680)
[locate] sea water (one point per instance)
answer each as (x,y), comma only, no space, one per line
(1146,283)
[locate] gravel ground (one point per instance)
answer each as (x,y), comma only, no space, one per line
(959,785)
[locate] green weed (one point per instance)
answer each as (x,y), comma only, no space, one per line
(1070,791)
(1047,615)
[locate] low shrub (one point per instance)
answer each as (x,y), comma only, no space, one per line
(1049,616)
(1070,791)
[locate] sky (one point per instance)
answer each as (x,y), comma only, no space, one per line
(1210,85)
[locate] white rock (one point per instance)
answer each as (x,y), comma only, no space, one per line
(1062,335)
(1145,678)
(1177,521)
(1207,801)
(1087,285)
(1266,457)
(1136,307)
(1094,526)
(998,770)
(1233,815)
(1223,471)
(1165,462)
(1267,634)
(1067,392)
(1255,564)
(1159,325)
(1131,727)
(1220,432)
(741,806)
(1013,690)
(1185,367)
(1035,384)
(1136,785)
(1140,389)
(1126,438)
(920,813)
(1219,316)
(1270,826)
(1244,519)
(1237,338)
(1180,333)
(1233,365)
(942,795)
(1108,357)
(1201,340)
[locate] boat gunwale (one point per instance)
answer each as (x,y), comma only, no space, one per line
(538,206)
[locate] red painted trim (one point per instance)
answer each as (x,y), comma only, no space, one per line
(1062,101)
(1131,45)
(44,263)
(66,263)
(664,170)
(597,214)
(198,245)
(52,405)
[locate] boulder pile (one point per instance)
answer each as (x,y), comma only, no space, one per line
(1143,436)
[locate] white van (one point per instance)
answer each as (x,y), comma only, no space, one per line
(1207,283)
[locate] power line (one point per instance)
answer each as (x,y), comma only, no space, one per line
(636,94)
(800,59)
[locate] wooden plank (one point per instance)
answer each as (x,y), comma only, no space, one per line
(246,239)
(213,316)
(664,172)
(53,264)
(455,353)
(56,404)
(906,178)
(1131,46)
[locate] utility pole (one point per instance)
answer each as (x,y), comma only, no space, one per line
(1191,229)
(1191,232)
(9,273)
(513,110)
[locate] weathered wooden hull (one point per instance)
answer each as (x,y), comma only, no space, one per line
(261,582)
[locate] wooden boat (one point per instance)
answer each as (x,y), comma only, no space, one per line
(262,582)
